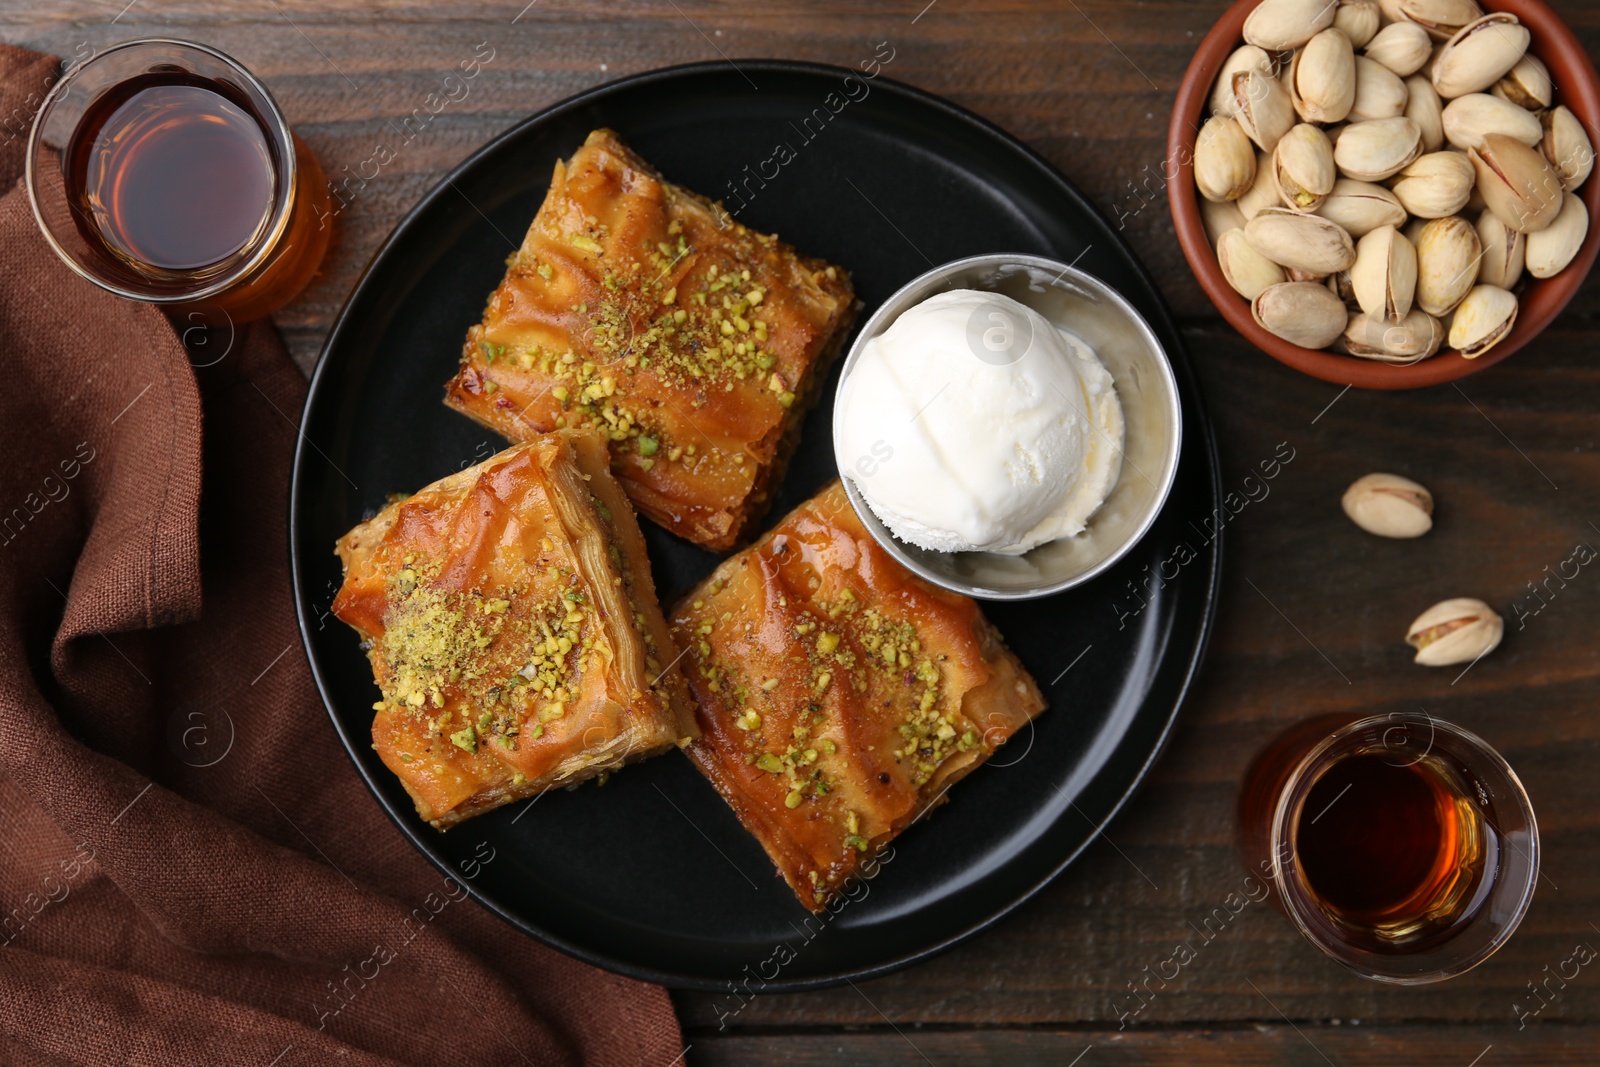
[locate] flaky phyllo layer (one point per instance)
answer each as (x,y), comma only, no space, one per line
(513,630)
(646,312)
(840,696)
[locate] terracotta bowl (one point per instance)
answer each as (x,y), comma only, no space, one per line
(1577,86)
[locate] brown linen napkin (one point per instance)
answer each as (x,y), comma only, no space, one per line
(190,869)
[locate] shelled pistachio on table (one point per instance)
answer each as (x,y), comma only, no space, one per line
(1408,158)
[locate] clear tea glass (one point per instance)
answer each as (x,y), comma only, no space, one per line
(1402,846)
(163,171)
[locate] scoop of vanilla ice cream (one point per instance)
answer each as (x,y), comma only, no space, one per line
(974,424)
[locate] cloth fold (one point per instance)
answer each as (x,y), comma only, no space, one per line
(190,869)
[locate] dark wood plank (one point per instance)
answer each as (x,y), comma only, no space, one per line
(1350,1045)
(1510,456)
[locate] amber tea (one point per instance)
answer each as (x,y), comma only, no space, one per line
(1394,850)
(171,173)
(1402,846)
(163,171)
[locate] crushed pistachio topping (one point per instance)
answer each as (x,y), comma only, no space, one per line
(699,318)
(930,729)
(479,665)
(433,638)
(841,643)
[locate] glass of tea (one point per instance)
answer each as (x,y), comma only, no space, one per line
(163,171)
(1402,846)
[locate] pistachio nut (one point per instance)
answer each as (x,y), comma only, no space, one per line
(1424,107)
(1413,340)
(1302,168)
(1413,229)
(1469,119)
(1433,60)
(1279,25)
(1322,78)
(1302,313)
(1339,285)
(1389,506)
(1441,18)
(1517,183)
(1478,56)
(1295,274)
(1224,159)
(1262,107)
(1380,94)
(1219,218)
(1461,630)
(1361,207)
(1403,47)
(1447,263)
(1245,57)
(1384,275)
(1566,146)
(1263,192)
(1552,248)
(1482,320)
(1527,84)
(1248,271)
(1435,185)
(1376,149)
(1503,250)
(1358,20)
(1301,242)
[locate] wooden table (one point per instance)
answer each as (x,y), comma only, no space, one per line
(1312,611)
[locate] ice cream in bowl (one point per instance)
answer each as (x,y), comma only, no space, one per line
(1007,426)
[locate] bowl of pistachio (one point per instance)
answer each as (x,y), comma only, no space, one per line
(1387,193)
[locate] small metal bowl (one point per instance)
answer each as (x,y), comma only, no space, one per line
(1154,426)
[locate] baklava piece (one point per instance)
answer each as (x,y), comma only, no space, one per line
(839,695)
(645,311)
(513,630)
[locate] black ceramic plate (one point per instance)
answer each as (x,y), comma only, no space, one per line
(651,874)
